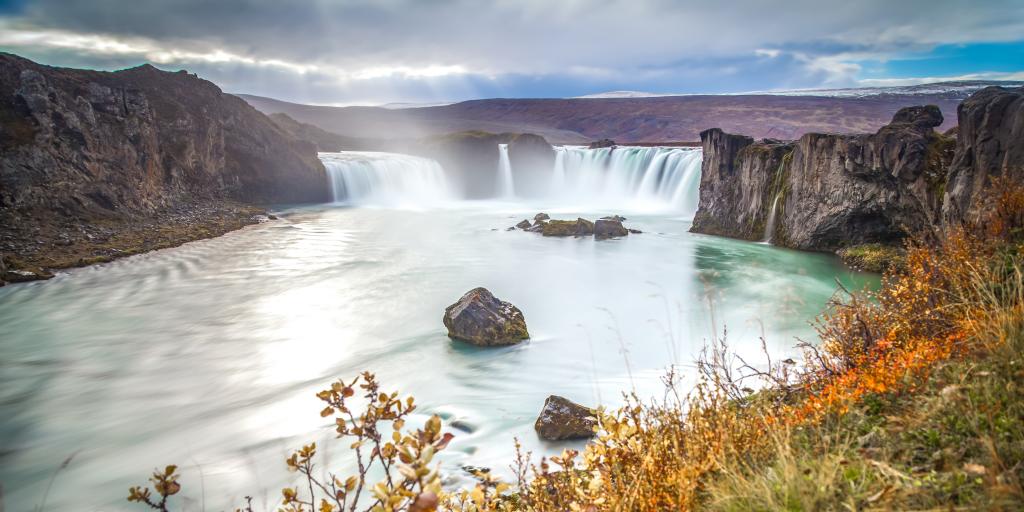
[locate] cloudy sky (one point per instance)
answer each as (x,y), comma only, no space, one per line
(380,51)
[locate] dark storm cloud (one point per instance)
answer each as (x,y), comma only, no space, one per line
(341,51)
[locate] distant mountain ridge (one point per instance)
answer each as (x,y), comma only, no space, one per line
(782,115)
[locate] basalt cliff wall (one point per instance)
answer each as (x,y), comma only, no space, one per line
(79,148)
(824,192)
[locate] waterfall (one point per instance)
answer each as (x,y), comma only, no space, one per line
(506,185)
(769,227)
(384,179)
(633,176)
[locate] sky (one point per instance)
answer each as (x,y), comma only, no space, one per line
(345,52)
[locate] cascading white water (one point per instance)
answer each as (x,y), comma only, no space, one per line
(506,184)
(384,179)
(639,177)
(769,227)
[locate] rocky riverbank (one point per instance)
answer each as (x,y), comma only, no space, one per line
(33,250)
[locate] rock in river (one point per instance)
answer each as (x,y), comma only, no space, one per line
(523,224)
(562,418)
(482,319)
(609,228)
(578,227)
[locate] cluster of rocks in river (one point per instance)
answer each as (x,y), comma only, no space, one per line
(826,192)
(481,319)
(603,228)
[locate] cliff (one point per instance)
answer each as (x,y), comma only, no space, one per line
(990,142)
(80,147)
(824,192)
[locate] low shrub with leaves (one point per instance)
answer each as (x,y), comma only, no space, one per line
(913,399)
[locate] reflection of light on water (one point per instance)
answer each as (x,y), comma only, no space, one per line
(304,322)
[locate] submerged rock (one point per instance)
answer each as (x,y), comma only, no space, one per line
(482,319)
(578,227)
(562,418)
(608,228)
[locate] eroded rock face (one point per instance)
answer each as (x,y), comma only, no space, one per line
(990,142)
(609,228)
(80,143)
(482,319)
(825,191)
(562,419)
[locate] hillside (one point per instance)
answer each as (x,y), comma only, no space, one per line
(636,119)
(97,164)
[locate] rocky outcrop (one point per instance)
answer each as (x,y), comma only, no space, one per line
(826,191)
(578,227)
(80,147)
(990,143)
(482,319)
(603,143)
(609,228)
(78,141)
(562,419)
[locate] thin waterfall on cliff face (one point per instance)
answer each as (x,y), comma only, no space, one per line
(769,227)
(645,177)
(384,179)
(506,184)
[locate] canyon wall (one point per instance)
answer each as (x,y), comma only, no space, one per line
(97,165)
(81,143)
(824,192)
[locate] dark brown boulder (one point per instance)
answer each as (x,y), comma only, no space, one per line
(578,227)
(482,319)
(562,418)
(523,224)
(609,228)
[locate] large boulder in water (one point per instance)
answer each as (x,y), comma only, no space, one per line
(562,418)
(578,227)
(609,228)
(482,319)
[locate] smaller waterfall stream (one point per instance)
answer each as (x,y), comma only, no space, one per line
(506,184)
(769,227)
